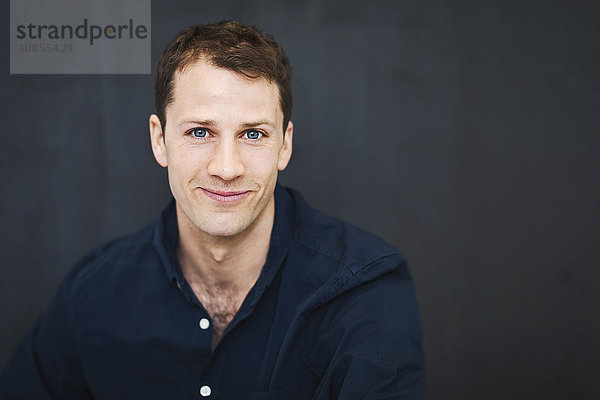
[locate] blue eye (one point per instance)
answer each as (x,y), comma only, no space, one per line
(253,135)
(199,132)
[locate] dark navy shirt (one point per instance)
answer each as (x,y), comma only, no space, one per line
(333,315)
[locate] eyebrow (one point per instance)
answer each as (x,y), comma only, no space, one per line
(207,122)
(210,123)
(258,123)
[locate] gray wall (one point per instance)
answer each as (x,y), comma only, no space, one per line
(466,133)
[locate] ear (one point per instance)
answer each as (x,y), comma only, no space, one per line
(157,140)
(286,150)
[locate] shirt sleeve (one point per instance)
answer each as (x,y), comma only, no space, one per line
(45,364)
(369,344)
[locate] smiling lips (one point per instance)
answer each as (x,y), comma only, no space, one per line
(225,197)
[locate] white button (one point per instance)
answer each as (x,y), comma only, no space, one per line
(204,324)
(205,391)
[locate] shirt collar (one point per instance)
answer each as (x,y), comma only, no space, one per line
(166,237)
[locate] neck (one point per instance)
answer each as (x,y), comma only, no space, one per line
(228,262)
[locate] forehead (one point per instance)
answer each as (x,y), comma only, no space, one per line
(204,89)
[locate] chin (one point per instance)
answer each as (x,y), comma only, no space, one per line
(217,227)
(222,232)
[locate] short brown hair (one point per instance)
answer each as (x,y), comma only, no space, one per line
(229,45)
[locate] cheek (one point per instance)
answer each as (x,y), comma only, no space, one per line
(261,162)
(185,163)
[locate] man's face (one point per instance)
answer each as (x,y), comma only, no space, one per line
(223,146)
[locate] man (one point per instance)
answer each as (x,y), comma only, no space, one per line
(240,289)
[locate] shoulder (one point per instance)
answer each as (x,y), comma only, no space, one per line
(334,257)
(112,262)
(341,241)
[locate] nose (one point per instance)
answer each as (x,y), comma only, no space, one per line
(225,162)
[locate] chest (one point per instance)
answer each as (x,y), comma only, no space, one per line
(222,304)
(154,359)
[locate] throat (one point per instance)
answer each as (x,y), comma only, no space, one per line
(221,271)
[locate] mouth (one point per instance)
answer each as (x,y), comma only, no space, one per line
(225,197)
